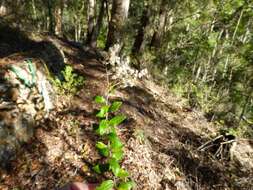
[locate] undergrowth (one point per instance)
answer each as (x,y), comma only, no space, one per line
(206,99)
(70,83)
(110,146)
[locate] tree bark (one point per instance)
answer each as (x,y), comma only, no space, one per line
(50,16)
(244,108)
(91,20)
(96,29)
(3,8)
(157,36)
(139,38)
(58,11)
(116,26)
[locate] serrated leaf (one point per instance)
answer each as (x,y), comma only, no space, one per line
(115,106)
(102,148)
(122,173)
(126,185)
(100,99)
(103,111)
(115,141)
(117,120)
(103,127)
(106,185)
(114,166)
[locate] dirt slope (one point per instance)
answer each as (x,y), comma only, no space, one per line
(161,134)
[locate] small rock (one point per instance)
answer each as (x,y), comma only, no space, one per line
(242,152)
(182,185)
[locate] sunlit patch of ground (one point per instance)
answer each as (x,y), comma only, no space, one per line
(161,137)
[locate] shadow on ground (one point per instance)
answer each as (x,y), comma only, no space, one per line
(63,147)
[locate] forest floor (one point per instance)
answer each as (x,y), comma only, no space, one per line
(161,135)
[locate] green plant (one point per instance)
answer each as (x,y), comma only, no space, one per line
(102,38)
(110,145)
(71,82)
(241,131)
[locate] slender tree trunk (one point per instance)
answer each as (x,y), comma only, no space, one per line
(207,66)
(3,8)
(107,11)
(58,11)
(244,108)
(34,10)
(157,36)
(79,30)
(116,25)
(139,38)
(233,38)
(159,31)
(50,16)
(91,20)
(96,29)
(76,20)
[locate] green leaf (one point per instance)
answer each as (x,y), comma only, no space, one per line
(97,169)
(116,146)
(101,145)
(114,166)
(103,127)
(117,120)
(117,154)
(106,185)
(101,168)
(115,106)
(123,173)
(102,148)
(115,141)
(103,111)
(95,126)
(126,185)
(100,99)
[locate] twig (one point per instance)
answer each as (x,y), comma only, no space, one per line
(210,141)
(218,151)
(228,142)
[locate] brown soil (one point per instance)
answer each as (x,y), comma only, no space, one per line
(161,137)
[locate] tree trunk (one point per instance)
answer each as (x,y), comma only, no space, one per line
(91,20)
(139,38)
(58,11)
(96,29)
(50,16)
(3,8)
(34,10)
(244,108)
(157,36)
(116,26)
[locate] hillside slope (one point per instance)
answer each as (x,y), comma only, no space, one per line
(161,134)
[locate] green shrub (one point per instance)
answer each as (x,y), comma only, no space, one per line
(110,146)
(71,82)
